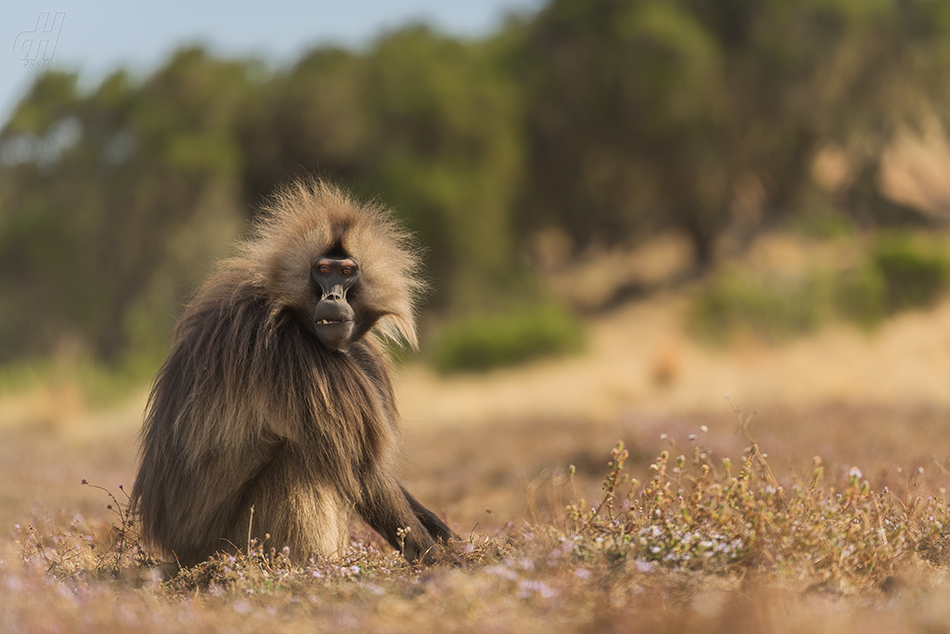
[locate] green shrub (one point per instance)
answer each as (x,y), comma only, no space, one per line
(824,224)
(483,342)
(900,272)
(860,295)
(916,273)
(773,308)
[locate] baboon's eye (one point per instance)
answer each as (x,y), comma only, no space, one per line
(324,270)
(347,270)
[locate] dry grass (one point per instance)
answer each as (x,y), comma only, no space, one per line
(840,551)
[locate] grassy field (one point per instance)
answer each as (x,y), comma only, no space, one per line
(812,499)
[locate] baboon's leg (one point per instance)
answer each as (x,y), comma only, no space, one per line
(294,508)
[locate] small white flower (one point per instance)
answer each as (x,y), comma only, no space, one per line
(644,566)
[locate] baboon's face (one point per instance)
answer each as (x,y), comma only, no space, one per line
(333,279)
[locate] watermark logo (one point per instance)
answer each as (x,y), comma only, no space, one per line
(36,47)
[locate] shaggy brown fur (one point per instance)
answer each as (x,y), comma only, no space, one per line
(250,411)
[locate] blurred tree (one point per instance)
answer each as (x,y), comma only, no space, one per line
(446,148)
(310,120)
(123,197)
(706,115)
(430,124)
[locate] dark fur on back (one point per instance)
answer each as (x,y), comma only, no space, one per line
(250,411)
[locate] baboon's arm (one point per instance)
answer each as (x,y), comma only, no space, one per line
(389,510)
(429,520)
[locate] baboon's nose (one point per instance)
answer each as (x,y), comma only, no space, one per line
(336,293)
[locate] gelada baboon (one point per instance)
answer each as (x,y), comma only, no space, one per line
(274,412)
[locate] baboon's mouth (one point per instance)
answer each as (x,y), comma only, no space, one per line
(332,321)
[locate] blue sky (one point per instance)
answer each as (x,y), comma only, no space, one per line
(98,36)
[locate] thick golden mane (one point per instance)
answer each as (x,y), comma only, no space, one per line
(307,218)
